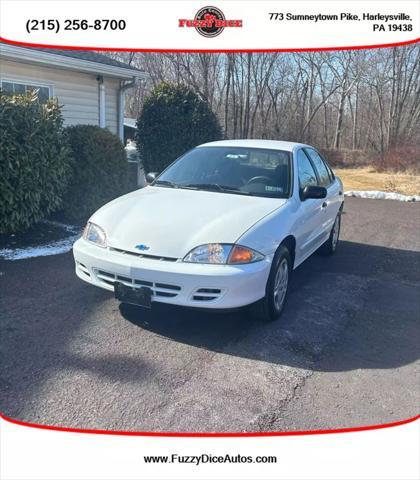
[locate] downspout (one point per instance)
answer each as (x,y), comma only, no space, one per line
(102,120)
(121,105)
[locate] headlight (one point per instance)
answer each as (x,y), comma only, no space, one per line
(95,234)
(222,253)
(210,253)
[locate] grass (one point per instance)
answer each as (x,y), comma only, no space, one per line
(367,178)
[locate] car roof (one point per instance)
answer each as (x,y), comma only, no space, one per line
(254,143)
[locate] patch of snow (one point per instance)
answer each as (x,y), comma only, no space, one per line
(378,195)
(53,248)
(131,145)
(68,228)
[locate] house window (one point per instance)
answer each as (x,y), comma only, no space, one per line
(14,88)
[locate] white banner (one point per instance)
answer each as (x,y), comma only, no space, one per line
(222,25)
(33,453)
(30,452)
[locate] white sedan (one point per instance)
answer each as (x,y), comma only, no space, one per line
(222,227)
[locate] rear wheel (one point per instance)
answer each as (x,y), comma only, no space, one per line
(330,246)
(271,306)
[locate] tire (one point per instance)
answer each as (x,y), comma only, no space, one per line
(271,306)
(330,246)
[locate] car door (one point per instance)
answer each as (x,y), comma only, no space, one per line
(309,228)
(326,179)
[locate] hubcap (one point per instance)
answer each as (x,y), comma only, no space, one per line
(336,232)
(280,284)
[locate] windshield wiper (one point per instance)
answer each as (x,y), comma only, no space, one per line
(165,183)
(207,186)
(215,186)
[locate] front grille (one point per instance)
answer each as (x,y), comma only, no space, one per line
(158,289)
(206,294)
(143,255)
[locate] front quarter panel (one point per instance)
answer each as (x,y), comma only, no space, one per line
(266,235)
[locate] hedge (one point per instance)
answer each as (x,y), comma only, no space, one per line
(100,170)
(34,161)
(174,119)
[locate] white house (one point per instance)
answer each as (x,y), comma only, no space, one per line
(90,86)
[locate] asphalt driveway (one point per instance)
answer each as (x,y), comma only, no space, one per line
(345,352)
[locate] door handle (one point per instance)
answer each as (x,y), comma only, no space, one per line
(324,205)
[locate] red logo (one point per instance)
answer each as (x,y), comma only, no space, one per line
(209,22)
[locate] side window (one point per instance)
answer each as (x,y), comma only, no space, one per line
(332,176)
(323,173)
(306,172)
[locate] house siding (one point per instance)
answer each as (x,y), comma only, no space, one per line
(111,104)
(77,92)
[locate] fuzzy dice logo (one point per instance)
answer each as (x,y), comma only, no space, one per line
(209,22)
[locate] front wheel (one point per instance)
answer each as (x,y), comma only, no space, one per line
(271,306)
(330,246)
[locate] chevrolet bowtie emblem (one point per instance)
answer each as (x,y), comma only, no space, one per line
(142,247)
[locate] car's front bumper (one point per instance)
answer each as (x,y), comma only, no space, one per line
(178,283)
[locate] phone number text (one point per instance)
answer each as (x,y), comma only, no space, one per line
(54,25)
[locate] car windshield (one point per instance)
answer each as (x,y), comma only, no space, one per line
(237,170)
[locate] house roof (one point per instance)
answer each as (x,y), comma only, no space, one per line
(89,56)
(79,60)
(130,122)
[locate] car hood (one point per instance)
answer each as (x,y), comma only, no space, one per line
(171,222)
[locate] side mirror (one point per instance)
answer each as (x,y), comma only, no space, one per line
(151,176)
(312,191)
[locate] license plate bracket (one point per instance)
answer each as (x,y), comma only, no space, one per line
(140,296)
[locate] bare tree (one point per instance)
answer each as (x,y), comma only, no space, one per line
(350,99)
